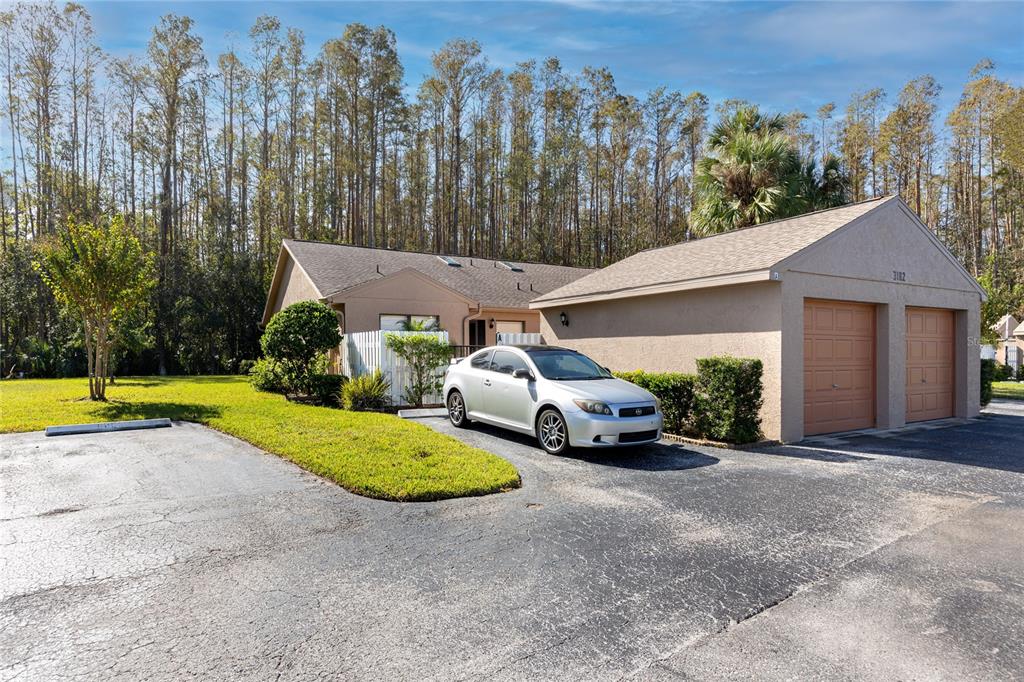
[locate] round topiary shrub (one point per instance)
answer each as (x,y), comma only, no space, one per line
(296,338)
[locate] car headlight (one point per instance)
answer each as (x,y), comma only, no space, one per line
(593,406)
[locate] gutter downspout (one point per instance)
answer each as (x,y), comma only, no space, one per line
(467,318)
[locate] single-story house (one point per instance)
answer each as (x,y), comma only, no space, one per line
(861,317)
(1010,348)
(380,289)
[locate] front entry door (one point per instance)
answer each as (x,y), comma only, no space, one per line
(477,333)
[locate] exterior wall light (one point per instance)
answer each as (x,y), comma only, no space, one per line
(490,323)
(563,317)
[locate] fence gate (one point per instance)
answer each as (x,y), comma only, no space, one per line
(364,352)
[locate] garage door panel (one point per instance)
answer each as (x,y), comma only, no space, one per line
(824,349)
(915,323)
(823,319)
(930,363)
(843,349)
(844,320)
(839,360)
(823,380)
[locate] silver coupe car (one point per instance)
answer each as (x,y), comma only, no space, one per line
(562,397)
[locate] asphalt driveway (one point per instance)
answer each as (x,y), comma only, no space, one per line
(183,552)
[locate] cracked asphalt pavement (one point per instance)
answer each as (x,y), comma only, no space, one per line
(183,552)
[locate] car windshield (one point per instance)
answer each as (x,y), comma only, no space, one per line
(567,365)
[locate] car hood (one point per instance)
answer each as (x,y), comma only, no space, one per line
(606,390)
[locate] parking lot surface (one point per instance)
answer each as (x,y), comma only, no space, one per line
(183,552)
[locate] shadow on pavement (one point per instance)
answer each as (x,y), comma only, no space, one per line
(814,452)
(995,441)
(654,457)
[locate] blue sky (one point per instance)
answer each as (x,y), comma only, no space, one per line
(781,55)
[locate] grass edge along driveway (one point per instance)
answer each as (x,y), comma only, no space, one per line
(371,454)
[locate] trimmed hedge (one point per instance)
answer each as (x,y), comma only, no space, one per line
(988,372)
(325,389)
(727,399)
(673,389)
(721,402)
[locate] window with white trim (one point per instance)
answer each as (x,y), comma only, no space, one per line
(399,323)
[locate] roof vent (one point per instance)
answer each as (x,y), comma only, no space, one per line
(448,260)
(511,266)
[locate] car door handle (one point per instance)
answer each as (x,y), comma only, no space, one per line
(487,382)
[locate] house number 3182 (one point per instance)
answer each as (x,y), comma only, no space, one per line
(899,276)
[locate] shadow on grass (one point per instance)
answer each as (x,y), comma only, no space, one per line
(149,382)
(116,410)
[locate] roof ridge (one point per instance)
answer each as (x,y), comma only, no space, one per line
(884,197)
(431,253)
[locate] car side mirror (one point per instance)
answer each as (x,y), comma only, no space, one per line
(523,373)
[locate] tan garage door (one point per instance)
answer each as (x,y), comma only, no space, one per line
(839,366)
(930,363)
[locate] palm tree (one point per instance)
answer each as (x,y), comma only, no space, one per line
(827,189)
(753,174)
(421,325)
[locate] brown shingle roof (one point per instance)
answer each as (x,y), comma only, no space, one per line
(334,268)
(749,249)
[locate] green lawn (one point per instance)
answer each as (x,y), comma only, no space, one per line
(376,455)
(1008,389)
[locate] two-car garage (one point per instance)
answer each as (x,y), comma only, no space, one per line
(840,369)
(861,317)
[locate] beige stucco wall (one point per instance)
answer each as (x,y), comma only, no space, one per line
(668,332)
(529,318)
(403,293)
(295,287)
(858,264)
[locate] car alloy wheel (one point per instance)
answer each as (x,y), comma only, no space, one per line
(552,433)
(457,409)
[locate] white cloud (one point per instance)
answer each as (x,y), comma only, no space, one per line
(870,29)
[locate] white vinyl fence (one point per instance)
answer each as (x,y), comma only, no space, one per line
(510,338)
(364,352)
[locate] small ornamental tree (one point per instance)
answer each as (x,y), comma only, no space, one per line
(297,337)
(425,354)
(101,274)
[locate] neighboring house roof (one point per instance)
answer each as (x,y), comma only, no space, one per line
(1019,330)
(742,255)
(1007,326)
(336,268)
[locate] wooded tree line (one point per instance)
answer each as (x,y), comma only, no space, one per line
(213,160)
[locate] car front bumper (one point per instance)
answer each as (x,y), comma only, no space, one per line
(604,431)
